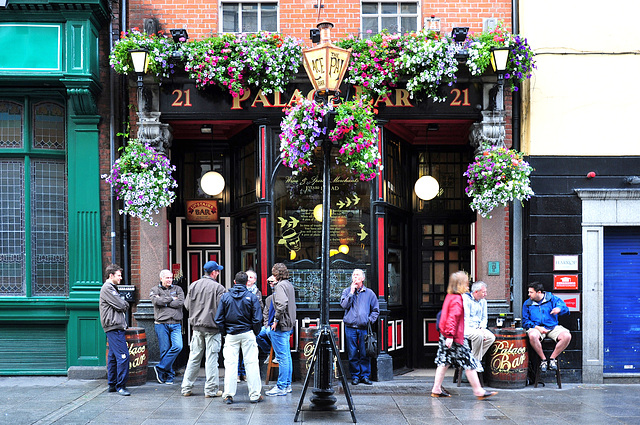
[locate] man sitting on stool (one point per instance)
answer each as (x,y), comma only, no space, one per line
(540,319)
(475,321)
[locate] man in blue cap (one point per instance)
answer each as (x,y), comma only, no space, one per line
(202,300)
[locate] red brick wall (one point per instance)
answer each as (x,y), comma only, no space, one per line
(200,18)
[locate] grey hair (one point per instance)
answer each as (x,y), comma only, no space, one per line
(364,275)
(252,272)
(165,271)
(477,286)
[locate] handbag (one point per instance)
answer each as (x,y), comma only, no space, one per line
(371,343)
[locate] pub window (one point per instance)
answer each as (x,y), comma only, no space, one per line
(395,17)
(393,172)
(249,17)
(246,184)
(33,187)
(298,230)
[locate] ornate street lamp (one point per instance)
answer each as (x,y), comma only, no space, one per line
(326,65)
(499,57)
(140,59)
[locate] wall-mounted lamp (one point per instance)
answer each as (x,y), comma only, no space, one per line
(432,23)
(140,59)
(206,129)
(3,3)
(212,183)
(499,57)
(459,34)
(179,35)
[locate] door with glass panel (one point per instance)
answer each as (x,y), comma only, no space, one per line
(444,248)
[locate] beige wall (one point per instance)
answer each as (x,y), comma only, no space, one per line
(584,96)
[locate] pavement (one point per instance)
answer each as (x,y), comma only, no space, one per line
(405,400)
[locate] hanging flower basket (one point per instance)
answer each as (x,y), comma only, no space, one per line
(355,134)
(497,176)
(142,179)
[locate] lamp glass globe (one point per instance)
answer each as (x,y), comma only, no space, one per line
(426,188)
(212,183)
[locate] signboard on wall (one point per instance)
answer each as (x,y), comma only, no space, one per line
(565,262)
(572,300)
(205,210)
(561,281)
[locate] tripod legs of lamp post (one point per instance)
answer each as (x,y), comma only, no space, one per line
(323,398)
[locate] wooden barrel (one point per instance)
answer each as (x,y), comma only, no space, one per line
(508,358)
(307,343)
(138,356)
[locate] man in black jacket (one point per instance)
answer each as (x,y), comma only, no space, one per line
(238,315)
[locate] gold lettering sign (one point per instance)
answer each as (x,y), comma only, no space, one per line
(202,211)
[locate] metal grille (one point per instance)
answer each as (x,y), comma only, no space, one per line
(48,126)
(12,228)
(49,275)
(11,125)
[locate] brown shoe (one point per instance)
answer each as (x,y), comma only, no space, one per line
(187,394)
(218,394)
(258,400)
(486,395)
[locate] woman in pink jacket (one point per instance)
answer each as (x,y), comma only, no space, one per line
(453,349)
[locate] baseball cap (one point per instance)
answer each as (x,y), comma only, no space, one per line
(210,266)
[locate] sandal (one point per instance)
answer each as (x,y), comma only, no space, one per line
(486,395)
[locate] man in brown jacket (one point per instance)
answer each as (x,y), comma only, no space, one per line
(112,316)
(284,319)
(202,300)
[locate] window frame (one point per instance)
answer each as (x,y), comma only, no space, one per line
(239,12)
(29,155)
(379,15)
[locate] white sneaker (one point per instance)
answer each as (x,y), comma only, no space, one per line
(288,389)
(275,391)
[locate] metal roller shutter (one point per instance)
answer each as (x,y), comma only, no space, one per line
(621,300)
(33,349)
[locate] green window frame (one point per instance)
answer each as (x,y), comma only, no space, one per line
(34,246)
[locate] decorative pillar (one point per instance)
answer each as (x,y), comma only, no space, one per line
(492,233)
(154,240)
(383,367)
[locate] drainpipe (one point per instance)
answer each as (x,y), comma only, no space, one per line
(516,258)
(112,144)
(124,13)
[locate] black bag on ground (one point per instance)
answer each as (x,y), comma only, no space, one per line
(371,343)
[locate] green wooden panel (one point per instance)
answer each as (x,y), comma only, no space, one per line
(33,348)
(30,47)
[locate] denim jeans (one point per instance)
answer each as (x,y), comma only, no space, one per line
(282,350)
(359,363)
(207,344)
(264,343)
(170,343)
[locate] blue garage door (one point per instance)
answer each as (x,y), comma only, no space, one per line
(622,300)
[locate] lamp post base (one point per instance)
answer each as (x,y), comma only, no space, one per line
(323,399)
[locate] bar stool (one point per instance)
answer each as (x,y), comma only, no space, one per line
(548,345)
(270,367)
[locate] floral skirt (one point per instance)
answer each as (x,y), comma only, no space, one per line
(459,355)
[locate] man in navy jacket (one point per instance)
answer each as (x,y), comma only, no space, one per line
(238,315)
(540,319)
(361,308)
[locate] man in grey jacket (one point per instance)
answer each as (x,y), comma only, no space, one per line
(203,297)
(112,316)
(282,320)
(361,308)
(167,300)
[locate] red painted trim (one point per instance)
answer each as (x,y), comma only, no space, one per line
(382,339)
(263,162)
(263,255)
(381,265)
(380,182)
